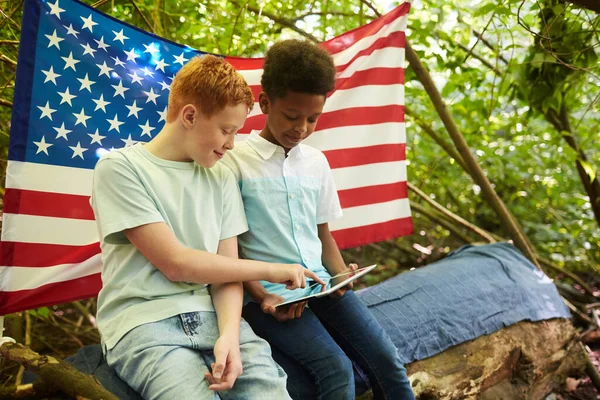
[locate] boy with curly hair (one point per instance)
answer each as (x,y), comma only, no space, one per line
(289,197)
(168,216)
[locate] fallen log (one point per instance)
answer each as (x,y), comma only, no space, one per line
(527,360)
(57,372)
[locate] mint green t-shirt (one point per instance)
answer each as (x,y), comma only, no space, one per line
(131,188)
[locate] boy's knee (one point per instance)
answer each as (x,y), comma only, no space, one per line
(342,366)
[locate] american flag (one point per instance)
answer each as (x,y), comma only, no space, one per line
(88,83)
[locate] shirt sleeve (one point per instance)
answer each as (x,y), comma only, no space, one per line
(329,207)
(120,201)
(234,218)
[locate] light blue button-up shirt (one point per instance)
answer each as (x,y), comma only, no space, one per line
(285,197)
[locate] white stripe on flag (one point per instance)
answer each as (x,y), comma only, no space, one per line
(369,175)
(344,56)
(372,214)
(349,137)
(49,178)
(48,230)
(389,57)
(23,278)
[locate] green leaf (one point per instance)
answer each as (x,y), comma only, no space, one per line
(589,169)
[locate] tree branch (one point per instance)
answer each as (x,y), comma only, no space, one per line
(59,373)
(508,220)
(285,23)
(143,16)
(7,60)
(451,215)
(441,142)
(593,5)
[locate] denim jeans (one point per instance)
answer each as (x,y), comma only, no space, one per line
(317,350)
(167,360)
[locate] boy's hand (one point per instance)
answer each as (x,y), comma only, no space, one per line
(227,366)
(340,292)
(283,313)
(292,275)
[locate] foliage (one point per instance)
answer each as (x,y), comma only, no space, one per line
(532,57)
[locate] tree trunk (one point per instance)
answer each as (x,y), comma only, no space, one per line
(527,360)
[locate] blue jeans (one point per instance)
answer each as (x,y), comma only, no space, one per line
(167,360)
(317,350)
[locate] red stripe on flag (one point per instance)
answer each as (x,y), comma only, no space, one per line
(39,255)
(347,39)
(373,194)
(344,158)
(353,237)
(30,202)
(372,76)
(345,117)
(393,40)
(50,294)
(242,64)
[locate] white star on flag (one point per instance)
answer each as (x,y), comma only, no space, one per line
(160,64)
(54,40)
(120,37)
(100,103)
(163,115)
(70,62)
(62,132)
(118,62)
(86,83)
(50,75)
(128,141)
(120,89)
(104,69)
(96,137)
(180,59)
(89,24)
(42,146)
(71,31)
(152,48)
(131,55)
(148,72)
(55,10)
(164,86)
(133,109)
(66,97)
(135,78)
(101,44)
(46,111)
(78,150)
(87,49)
(151,96)
(81,118)
(115,124)
(147,129)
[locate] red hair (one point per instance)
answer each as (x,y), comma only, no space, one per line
(211,84)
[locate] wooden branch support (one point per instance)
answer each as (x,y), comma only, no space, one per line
(143,16)
(448,213)
(55,371)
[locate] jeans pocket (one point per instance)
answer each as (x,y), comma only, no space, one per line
(191,322)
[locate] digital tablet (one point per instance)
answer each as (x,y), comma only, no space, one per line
(335,282)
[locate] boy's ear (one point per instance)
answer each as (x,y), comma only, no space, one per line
(264,103)
(188,115)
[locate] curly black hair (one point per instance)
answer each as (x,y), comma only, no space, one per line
(297,66)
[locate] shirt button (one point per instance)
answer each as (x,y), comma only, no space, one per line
(292,196)
(297,227)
